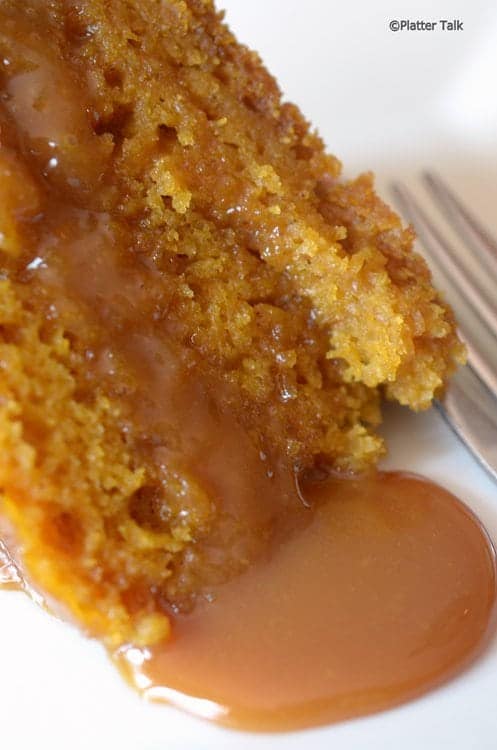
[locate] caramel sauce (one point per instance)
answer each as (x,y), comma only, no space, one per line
(389,591)
(248,496)
(386,593)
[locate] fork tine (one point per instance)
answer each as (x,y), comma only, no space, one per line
(469,411)
(478,363)
(447,259)
(472,231)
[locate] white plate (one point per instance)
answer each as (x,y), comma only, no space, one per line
(389,101)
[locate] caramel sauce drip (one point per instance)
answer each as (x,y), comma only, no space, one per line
(388,592)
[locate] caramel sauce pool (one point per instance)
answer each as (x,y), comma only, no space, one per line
(387,592)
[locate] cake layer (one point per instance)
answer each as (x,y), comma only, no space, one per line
(196,310)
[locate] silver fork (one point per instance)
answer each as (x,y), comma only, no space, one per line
(470,402)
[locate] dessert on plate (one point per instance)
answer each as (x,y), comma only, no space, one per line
(198,312)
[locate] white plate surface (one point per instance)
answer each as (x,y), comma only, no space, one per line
(394,102)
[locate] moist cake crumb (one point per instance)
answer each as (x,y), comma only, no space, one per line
(193,300)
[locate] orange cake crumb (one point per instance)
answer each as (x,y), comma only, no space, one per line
(196,309)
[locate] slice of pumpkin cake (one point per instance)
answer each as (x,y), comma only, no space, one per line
(196,310)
